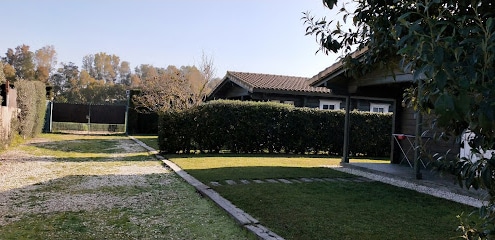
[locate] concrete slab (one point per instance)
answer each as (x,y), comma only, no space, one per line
(243,181)
(272,181)
(284,181)
(317,179)
(215,184)
(230,182)
(307,180)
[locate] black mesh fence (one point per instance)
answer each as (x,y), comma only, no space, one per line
(84,113)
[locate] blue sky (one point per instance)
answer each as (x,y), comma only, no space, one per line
(261,36)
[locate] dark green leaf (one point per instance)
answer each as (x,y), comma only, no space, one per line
(441,79)
(444,104)
(486,176)
(489,24)
(438,53)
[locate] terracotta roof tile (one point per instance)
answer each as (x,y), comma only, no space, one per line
(276,82)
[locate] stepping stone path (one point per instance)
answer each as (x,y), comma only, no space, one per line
(290,181)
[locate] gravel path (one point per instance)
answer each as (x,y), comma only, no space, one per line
(31,184)
(468,200)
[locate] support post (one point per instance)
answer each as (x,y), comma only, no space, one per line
(417,138)
(128,96)
(89,118)
(347,130)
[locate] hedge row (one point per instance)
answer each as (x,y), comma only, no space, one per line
(31,99)
(247,127)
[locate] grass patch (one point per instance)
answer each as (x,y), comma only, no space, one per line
(346,210)
(93,127)
(329,210)
(236,167)
(150,140)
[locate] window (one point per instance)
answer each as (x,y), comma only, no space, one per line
(379,107)
(330,104)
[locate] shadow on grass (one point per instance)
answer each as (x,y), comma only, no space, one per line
(251,155)
(81,145)
(264,172)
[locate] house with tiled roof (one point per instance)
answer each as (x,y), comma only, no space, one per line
(298,91)
(334,88)
(382,85)
(275,88)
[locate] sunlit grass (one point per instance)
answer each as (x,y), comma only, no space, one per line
(207,162)
(150,140)
(324,210)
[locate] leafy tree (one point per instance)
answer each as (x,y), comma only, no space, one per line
(22,60)
(46,60)
(9,72)
(125,73)
(62,79)
(103,66)
(450,47)
(3,79)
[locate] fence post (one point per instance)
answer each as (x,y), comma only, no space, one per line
(127,93)
(89,118)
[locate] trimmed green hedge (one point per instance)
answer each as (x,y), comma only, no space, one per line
(250,127)
(31,99)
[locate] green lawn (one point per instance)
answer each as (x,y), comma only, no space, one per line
(150,140)
(324,210)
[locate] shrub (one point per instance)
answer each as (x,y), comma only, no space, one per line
(248,127)
(31,99)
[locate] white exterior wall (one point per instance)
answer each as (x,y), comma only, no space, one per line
(465,151)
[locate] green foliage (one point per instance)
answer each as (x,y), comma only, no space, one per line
(2,74)
(22,60)
(250,127)
(31,99)
(450,48)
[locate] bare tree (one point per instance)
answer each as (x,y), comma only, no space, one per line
(163,91)
(208,71)
(174,89)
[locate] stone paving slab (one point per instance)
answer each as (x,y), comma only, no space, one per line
(284,180)
(215,184)
(243,181)
(230,182)
(290,181)
(317,179)
(305,180)
(330,179)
